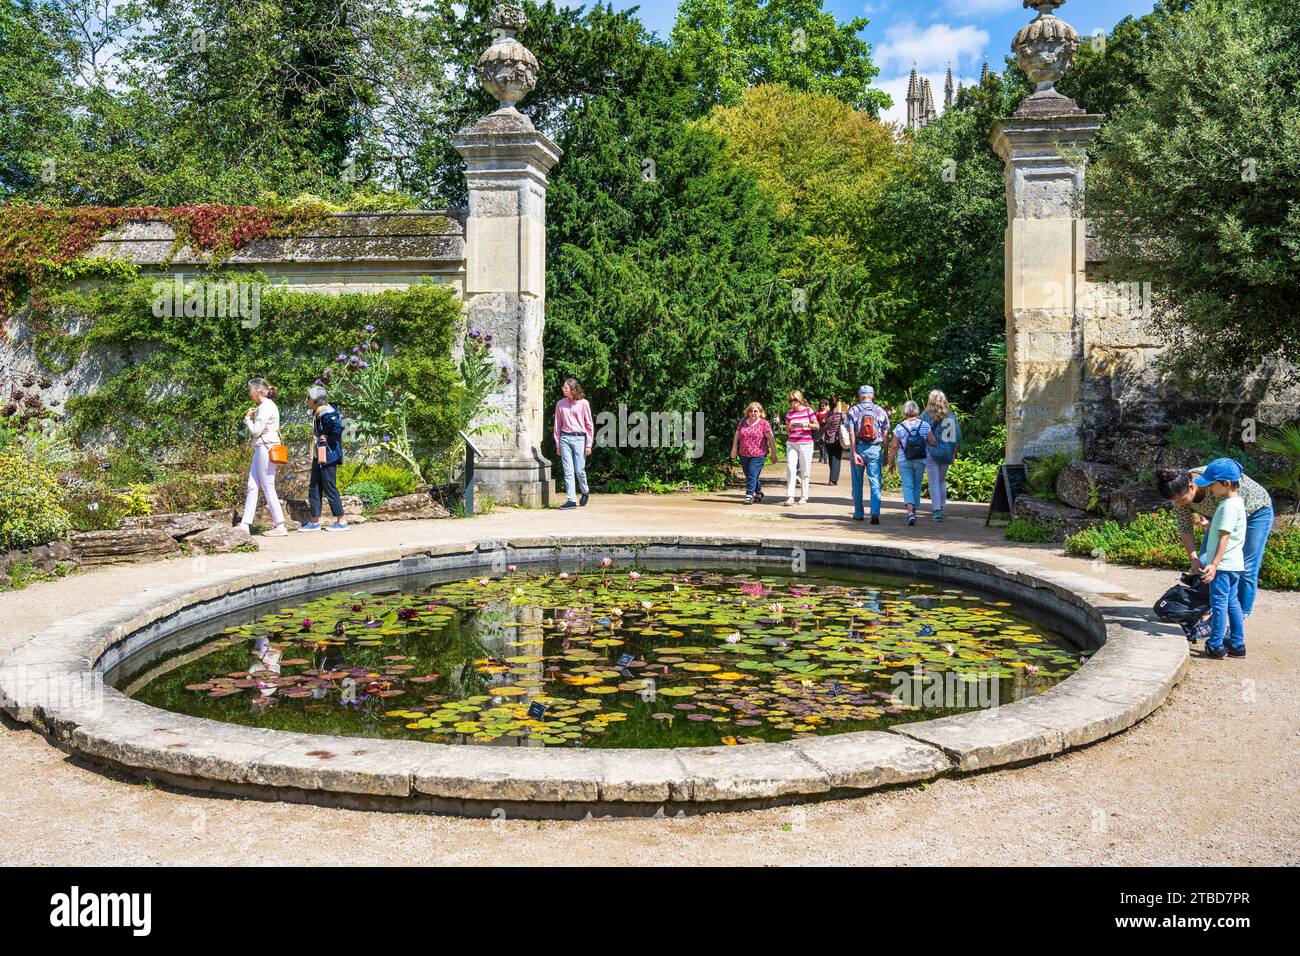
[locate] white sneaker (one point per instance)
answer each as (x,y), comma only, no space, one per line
(789,502)
(803,501)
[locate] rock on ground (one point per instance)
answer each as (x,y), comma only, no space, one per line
(44,558)
(1087,485)
(408,507)
(181,525)
(1063,519)
(120,545)
(1130,500)
(221,539)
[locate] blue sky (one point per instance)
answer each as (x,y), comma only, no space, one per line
(934,33)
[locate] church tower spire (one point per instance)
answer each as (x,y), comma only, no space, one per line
(947,89)
(913,101)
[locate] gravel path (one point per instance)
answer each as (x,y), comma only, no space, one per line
(1213,777)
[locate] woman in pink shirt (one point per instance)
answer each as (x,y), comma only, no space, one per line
(800,421)
(575,432)
(752,443)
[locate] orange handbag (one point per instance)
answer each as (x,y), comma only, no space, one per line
(279,454)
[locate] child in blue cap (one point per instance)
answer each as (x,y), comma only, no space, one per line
(1225,541)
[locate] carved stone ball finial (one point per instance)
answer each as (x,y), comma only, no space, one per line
(1045,46)
(507,69)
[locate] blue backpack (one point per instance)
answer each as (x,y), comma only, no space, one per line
(947,436)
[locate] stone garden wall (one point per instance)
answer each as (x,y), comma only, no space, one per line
(1128,404)
(348,252)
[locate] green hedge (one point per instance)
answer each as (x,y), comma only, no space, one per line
(1151,541)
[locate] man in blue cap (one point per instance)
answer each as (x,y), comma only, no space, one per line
(868,423)
(1225,543)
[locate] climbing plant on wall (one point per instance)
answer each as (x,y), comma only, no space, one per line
(171,379)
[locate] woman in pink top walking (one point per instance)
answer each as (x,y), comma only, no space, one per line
(800,421)
(575,432)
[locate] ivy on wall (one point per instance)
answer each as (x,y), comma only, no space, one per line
(171,379)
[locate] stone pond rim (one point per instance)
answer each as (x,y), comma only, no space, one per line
(43,683)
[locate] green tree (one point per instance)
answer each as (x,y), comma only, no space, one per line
(727,45)
(1195,187)
(825,164)
(940,219)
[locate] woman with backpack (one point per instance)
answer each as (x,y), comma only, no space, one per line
(910,437)
(942,443)
(831,438)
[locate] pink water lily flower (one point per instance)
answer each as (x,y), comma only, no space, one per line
(633,575)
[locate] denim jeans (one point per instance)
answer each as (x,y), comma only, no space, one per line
(573,448)
(911,472)
(1226,619)
(752,465)
(871,466)
(1258,527)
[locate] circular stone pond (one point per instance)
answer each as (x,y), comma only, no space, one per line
(562,677)
(607,657)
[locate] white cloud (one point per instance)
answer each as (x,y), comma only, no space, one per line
(930,49)
(896,87)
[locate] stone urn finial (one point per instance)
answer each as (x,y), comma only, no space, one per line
(507,69)
(1044,48)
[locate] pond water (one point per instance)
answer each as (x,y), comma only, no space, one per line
(611,658)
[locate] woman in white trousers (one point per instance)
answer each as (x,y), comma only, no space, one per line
(263,423)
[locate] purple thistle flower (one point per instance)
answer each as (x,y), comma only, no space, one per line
(363,365)
(343,358)
(370,328)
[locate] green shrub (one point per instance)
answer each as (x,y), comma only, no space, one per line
(1042,472)
(970,480)
(394,480)
(1029,532)
(93,511)
(30,508)
(186,382)
(1281,568)
(371,493)
(1150,541)
(203,493)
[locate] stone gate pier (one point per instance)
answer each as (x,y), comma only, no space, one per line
(1042,146)
(493,255)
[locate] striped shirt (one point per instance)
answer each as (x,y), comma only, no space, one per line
(1253,496)
(799,425)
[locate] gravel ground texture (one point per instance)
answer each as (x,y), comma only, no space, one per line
(1213,777)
